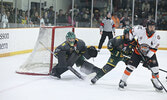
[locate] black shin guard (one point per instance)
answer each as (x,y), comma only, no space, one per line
(62,62)
(58,70)
(62,65)
(104,70)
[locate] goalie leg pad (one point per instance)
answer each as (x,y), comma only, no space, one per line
(62,59)
(61,67)
(88,68)
(58,70)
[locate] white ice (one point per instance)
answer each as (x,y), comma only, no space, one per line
(15,86)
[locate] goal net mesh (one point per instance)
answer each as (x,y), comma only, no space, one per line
(41,61)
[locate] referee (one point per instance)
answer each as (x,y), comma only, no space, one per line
(107,26)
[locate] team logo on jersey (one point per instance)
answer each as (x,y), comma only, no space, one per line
(158,37)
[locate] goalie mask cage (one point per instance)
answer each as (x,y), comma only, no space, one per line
(41,61)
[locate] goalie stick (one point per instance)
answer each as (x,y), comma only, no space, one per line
(151,69)
(69,67)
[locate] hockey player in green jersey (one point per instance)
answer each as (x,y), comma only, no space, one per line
(120,48)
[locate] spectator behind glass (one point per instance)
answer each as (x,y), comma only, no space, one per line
(146,6)
(35,19)
(61,18)
(116,20)
(125,21)
(45,17)
(69,19)
(76,15)
(51,15)
(137,20)
(96,16)
(23,18)
(4,19)
(32,11)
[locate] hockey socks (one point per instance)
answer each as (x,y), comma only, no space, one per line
(98,76)
(102,72)
(129,69)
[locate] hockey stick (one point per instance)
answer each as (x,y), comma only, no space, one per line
(163,70)
(151,69)
(69,67)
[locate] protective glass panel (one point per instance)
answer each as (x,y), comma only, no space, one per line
(82,13)
(162,15)
(144,10)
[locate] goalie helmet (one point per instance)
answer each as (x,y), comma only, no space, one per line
(128,30)
(150,25)
(70,38)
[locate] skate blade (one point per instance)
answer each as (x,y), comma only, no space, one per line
(159,91)
(121,89)
(54,77)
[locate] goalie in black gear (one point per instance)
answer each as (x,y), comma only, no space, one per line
(73,51)
(121,48)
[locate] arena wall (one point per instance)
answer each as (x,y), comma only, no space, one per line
(19,41)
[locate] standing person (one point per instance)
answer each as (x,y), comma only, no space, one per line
(148,42)
(119,47)
(74,51)
(116,20)
(107,26)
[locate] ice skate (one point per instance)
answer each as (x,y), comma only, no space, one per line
(157,87)
(122,84)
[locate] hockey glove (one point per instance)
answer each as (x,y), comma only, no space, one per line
(147,61)
(92,51)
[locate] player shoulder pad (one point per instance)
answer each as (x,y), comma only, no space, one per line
(80,45)
(64,46)
(118,40)
(114,42)
(80,42)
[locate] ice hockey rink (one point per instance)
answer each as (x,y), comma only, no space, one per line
(15,86)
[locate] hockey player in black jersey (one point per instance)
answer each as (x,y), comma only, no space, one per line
(73,51)
(120,48)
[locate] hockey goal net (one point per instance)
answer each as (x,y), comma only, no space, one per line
(41,60)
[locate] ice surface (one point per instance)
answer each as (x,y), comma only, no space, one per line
(15,86)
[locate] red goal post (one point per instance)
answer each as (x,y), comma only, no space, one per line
(41,61)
